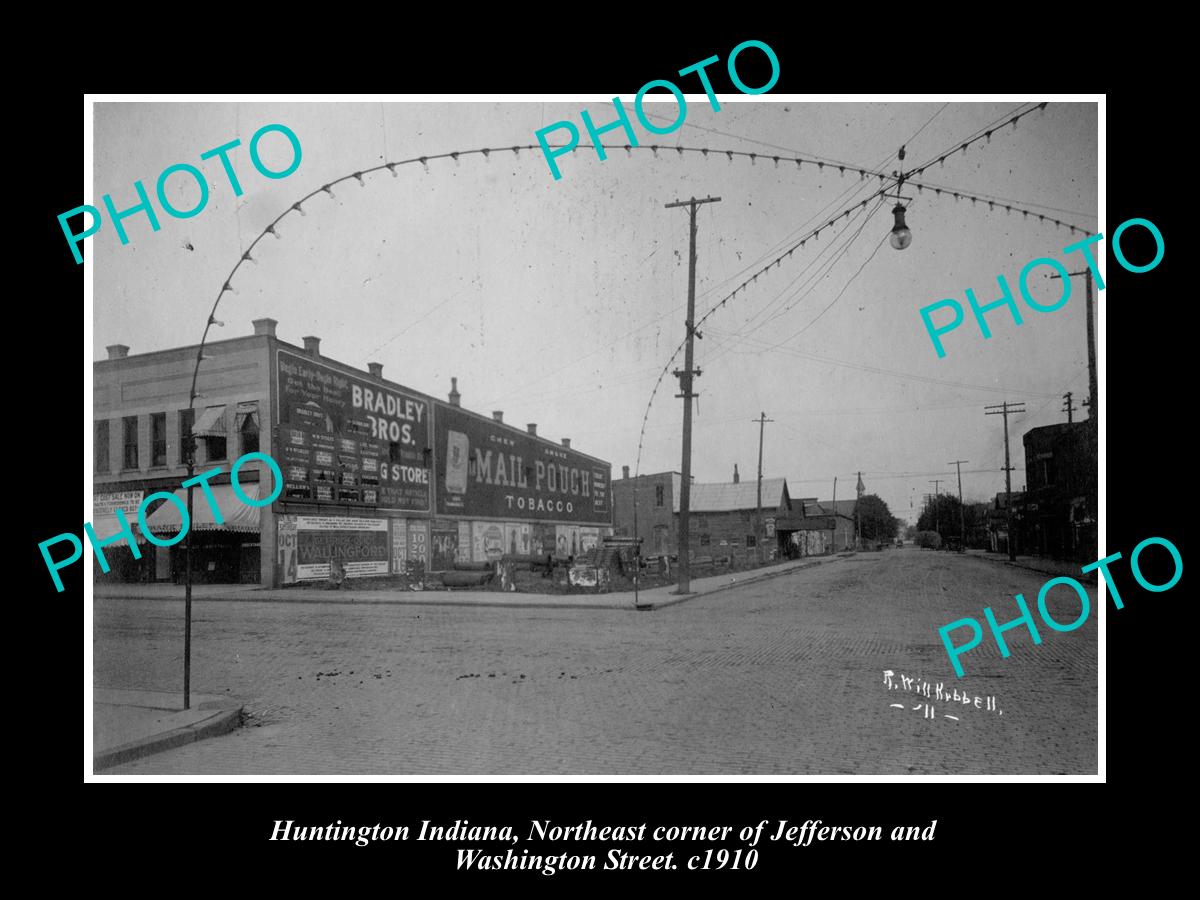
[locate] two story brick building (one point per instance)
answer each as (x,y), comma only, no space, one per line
(377,476)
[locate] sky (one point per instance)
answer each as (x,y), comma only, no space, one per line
(561,302)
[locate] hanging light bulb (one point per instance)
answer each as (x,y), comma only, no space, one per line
(901,237)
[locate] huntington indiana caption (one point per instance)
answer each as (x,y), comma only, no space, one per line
(797,835)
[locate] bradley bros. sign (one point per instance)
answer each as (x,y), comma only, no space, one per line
(348,440)
(491,471)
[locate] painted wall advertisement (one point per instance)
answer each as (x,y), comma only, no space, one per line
(287,549)
(347,440)
(490,470)
(359,544)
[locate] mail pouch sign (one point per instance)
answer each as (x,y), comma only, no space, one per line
(491,471)
(348,440)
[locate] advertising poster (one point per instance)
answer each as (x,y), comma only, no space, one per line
(399,545)
(517,539)
(589,539)
(288,561)
(359,544)
(464,550)
(567,541)
(344,439)
(487,540)
(443,538)
(104,520)
(544,539)
(418,542)
(495,471)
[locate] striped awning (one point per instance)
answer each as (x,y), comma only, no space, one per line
(211,423)
(236,514)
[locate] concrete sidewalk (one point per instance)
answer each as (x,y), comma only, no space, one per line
(127,725)
(655,598)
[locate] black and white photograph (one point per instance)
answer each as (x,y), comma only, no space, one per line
(688,434)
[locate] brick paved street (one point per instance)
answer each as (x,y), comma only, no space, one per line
(782,677)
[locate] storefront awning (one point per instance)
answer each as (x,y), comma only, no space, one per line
(237,515)
(211,422)
(106,525)
(247,411)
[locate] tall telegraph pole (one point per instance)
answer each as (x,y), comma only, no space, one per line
(1093,388)
(760,529)
(962,517)
(937,506)
(1004,409)
(1068,407)
(685,384)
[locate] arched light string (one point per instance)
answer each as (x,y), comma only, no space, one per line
(813,234)
(680,150)
(984,134)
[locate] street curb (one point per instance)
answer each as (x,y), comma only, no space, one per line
(673,601)
(220,721)
(737,584)
(1089,577)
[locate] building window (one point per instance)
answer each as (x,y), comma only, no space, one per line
(187,418)
(100,446)
(394,452)
(1048,472)
(705,540)
(659,493)
(248,432)
(158,439)
(130,428)
(751,541)
(216,447)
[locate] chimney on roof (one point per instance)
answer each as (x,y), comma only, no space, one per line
(312,346)
(117,351)
(736,477)
(455,396)
(498,415)
(624,471)
(265,326)
(376,369)
(532,426)
(566,443)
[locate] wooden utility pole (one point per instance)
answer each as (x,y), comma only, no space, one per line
(835,521)
(685,385)
(962,518)
(1068,407)
(1004,409)
(760,528)
(1093,389)
(937,511)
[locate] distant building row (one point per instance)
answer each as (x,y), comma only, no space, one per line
(723,521)
(1056,515)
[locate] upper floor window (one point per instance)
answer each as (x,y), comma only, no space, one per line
(100,446)
(158,439)
(187,418)
(659,495)
(130,434)
(247,426)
